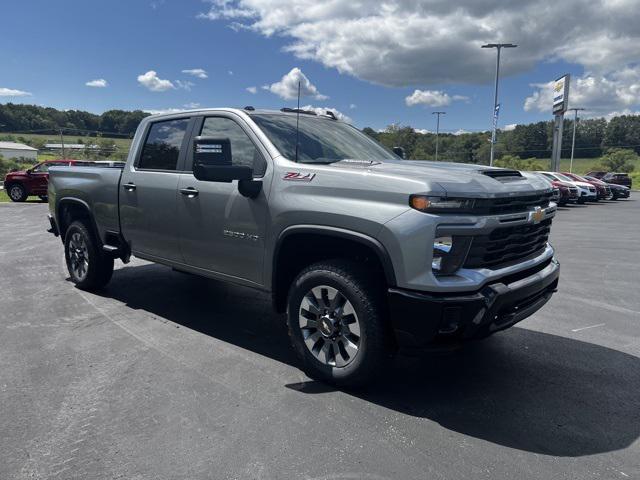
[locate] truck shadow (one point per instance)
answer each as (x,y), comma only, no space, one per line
(522,389)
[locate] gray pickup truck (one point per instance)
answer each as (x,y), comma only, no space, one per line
(364,251)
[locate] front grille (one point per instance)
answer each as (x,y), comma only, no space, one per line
(499,206)
(507,245)
(573,191)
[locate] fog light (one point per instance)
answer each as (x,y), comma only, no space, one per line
(449,253)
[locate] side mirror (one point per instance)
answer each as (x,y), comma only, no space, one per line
(212,163)
(29,171)
(399,151)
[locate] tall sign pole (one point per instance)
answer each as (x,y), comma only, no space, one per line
(496,105)
(560,106)
(573,140)
(438,129)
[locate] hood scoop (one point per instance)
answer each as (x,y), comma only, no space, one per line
(503,175)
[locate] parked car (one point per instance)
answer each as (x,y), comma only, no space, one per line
(333,225)
(567,192)
(618,178)
(21,184)
(596,174)
(586,191)
(619,191)
(602,189)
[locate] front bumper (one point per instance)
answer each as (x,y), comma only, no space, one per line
(420,319)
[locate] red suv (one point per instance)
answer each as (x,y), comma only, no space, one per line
(34,181)
(602,190)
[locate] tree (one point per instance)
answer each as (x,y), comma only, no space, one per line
(620,160)
(516,163)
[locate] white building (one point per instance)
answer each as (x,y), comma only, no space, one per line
(18,150)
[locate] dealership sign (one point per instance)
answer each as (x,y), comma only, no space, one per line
(561,94)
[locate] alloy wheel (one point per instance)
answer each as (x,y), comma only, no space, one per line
(330,326)
(78,255)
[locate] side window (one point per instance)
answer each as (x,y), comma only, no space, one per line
(243,150)
(162,147)
(42,168)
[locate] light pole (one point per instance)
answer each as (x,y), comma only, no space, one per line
(573,142)
(437,129)
(498,47)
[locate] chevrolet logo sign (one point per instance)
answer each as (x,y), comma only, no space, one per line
(536,216)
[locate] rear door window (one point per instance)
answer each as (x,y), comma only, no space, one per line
(162,147)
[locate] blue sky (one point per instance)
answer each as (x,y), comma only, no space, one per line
(53,48)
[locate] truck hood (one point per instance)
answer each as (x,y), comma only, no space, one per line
(455,179)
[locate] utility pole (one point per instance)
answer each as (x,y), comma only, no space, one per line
(62,142)
(437,129)
(573,142)
(498,47)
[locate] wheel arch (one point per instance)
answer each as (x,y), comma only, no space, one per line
(299,246)
(68,210)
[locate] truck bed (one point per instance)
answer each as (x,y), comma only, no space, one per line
(96,187)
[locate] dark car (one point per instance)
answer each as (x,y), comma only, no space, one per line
(618,178)
(34,181)
(596,174)
(602,190)
(619,191)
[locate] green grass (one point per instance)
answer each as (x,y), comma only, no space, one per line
(121,143)
(4,197)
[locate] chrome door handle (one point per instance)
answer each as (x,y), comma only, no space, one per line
(189,192)
(129,187)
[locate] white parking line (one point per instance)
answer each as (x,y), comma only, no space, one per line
(591,326)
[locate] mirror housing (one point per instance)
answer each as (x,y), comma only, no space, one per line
(399,151)
(212,162)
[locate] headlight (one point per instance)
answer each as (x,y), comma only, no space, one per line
(449,253)
(440,204)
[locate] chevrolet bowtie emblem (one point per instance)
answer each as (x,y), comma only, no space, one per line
(536,216)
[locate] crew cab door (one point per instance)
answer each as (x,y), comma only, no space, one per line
(221,231)
(148,189)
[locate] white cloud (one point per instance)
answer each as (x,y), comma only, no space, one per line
(10,92)
(192,105)
(287,87)
(196,72)
(599,93)
(509,127)
(461,131)
(97,83)
(184,85)
(422,131)
(432,98)
(163,110)
(230,72)
(253,90)
(151,81)
(353,106)
(428,42)
(323,111)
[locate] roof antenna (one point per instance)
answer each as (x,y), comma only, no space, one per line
(297,122)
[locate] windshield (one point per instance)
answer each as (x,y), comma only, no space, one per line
(563,178)
(320,140)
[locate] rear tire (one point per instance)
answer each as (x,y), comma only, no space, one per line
(17,193)
(89,268)
(337,323)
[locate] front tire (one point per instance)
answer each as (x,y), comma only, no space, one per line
(17,193)
(89,268)
(338,323)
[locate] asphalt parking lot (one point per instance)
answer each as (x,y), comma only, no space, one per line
(167,376)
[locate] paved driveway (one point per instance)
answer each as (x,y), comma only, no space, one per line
(167,376)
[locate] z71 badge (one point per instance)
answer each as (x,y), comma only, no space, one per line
(298,177)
